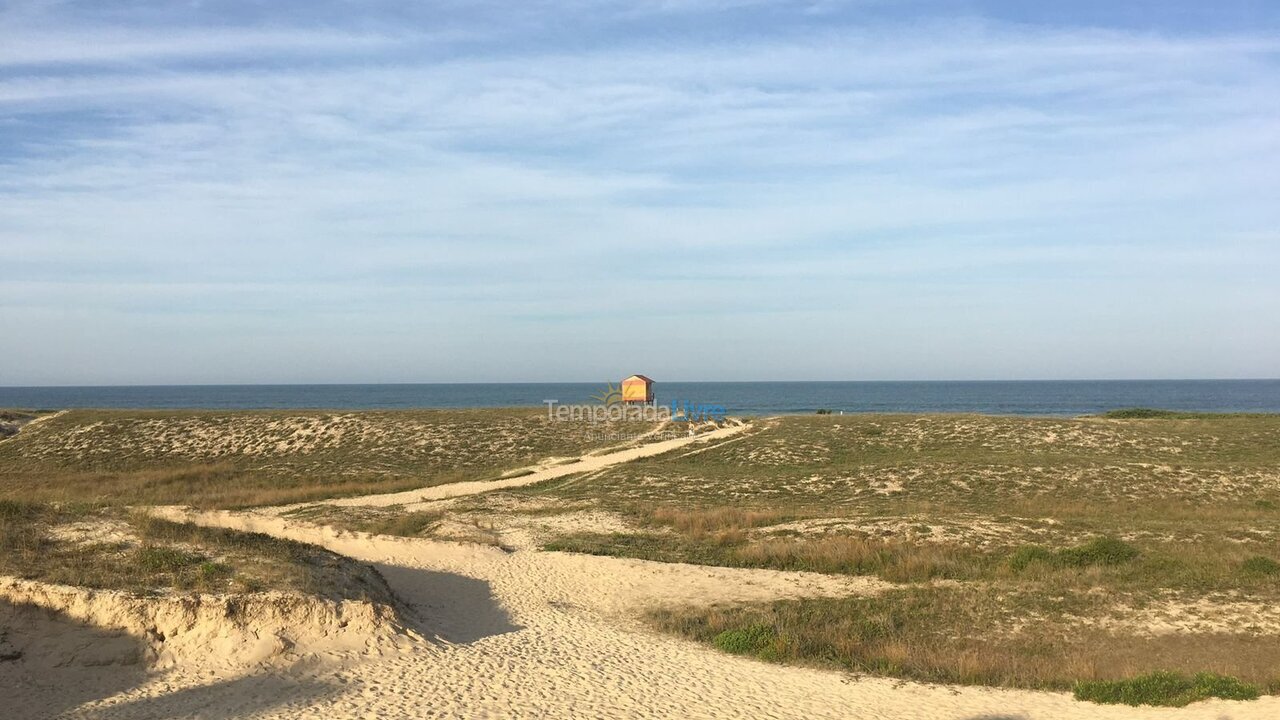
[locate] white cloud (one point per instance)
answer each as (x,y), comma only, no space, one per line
(219,174)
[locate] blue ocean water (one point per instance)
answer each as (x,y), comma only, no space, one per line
(1054,397)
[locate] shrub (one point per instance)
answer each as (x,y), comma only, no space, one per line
(749,640)
(1165,688)
(1098,551)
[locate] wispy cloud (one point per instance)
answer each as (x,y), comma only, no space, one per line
(481,175)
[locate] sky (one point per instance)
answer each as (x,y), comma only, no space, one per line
(320,191)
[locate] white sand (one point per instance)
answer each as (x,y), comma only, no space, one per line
(550,635)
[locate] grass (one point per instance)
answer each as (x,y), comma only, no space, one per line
(393,520)
(892,560)
(824,465)
(1165,688)
(247,458)
(64,483)
(1036,552)
(1099,551)
(375,521)
(973,635)
(110,548)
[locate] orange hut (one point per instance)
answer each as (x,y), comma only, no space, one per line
(637,389)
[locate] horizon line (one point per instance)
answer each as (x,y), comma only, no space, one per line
(593,382)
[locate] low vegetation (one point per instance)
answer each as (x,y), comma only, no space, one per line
(394,520)
(246,458)
(1035,552)
(1165,688)
(1130,557)
(102,547)
(970,635)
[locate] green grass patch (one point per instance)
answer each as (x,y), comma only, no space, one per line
(1101,551)
(1166,689)
(757,640)
(1260,565)
(165,559)
(978,634)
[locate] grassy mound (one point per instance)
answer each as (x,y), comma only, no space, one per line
(108,548)
(270,457)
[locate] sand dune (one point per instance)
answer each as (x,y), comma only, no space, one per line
(533,634)
(541,634)
(541,473)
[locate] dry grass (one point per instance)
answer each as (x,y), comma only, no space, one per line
(708,521)
(101,547)
(246,458)
(882,464)
(1074,550)
(971,634)
(393,520)
(841,554)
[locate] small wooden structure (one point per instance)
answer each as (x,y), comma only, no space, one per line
(637,389)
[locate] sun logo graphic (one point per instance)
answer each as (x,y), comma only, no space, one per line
(610,396)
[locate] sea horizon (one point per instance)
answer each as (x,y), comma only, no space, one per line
(763,397)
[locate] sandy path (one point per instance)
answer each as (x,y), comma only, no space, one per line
(535,634)
(542,473)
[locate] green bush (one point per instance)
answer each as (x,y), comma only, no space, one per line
(749,640)
(1165,688)
(1098,551)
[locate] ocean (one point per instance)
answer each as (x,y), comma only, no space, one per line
(1052,397)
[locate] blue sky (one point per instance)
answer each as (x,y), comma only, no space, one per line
(702,190)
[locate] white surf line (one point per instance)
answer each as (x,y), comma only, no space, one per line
(586,463)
